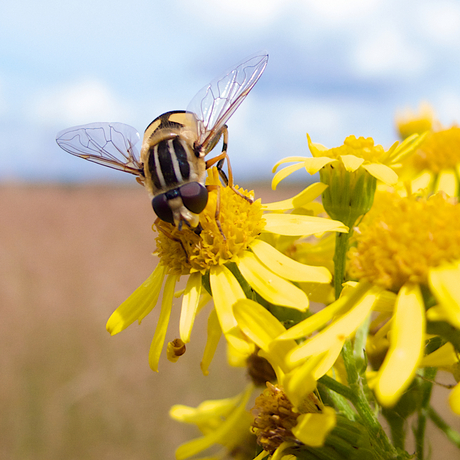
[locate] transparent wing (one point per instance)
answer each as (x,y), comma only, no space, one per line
(217,101)
(108,144)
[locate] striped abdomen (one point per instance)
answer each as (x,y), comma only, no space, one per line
(169,163)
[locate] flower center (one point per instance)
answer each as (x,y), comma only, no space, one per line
(440,150)
(360,147)
(400,239)
(274,418)
(187,251)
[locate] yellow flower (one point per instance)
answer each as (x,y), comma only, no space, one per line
(435,166)
(409,122)
(223,422)
(408,245)
(229,267)
(351,172)
(298,384)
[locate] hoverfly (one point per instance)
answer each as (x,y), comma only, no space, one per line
(172,164)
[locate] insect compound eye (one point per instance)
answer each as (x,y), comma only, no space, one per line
(161,207)
(194,196)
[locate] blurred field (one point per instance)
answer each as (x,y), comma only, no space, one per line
(68,257)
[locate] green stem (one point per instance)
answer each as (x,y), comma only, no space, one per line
(358,384)
(452,435)
(340,395)
(340,259)
(425,390)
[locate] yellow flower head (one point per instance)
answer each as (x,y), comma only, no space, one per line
(185,251)
(351,172)
(274,418)
(439,151)
(409,122)
(401,239)
(228,260)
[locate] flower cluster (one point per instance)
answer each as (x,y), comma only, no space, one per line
(379,255)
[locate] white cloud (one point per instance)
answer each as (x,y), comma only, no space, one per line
(388,54)
(441,21)
(335,12)
(77,103)
(256,13)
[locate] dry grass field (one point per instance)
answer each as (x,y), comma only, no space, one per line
(69,255)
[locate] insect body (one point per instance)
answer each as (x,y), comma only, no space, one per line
(172,164)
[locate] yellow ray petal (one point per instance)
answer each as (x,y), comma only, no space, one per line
(382,172)
(444,283)
(313,165)
(262,328)
(351,162)
(286,267)
(214,334)
(406,346)
(163,321)
(454,399)
(283,173)
(287,160)
(139,304)
(218,436)
(270,286)
(226,291)
(312,192)
(348,299)
(312,429)
(298,225)
(444,356)
(335,334)
(190,303)
(447,182)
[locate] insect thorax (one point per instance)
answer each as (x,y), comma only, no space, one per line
(169,153)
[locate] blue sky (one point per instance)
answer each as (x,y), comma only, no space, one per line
(337,67)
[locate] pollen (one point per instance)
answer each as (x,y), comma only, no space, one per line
(222,240)
(360,147)
(274,418)
(401,239)
(440,151)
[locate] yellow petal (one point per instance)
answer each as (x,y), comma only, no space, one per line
(214,334)
(315,149)
(163,321)
(335,334)
(300,382)
(270,286)
(283,173)
(190,303)
(406,346)
(312,429)
(444,356)
(444,283)
(447,182)
(312,192)
(317,321)
(220,435)
(139,304)
(286,267)
(225,291)
(313,165)
(454,399)
(287,160)
(262,328)
(382,172)
(351,162)
(298,225)
(207,410)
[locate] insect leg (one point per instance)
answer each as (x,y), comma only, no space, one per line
(165,232)
(220,159)
(217,214)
